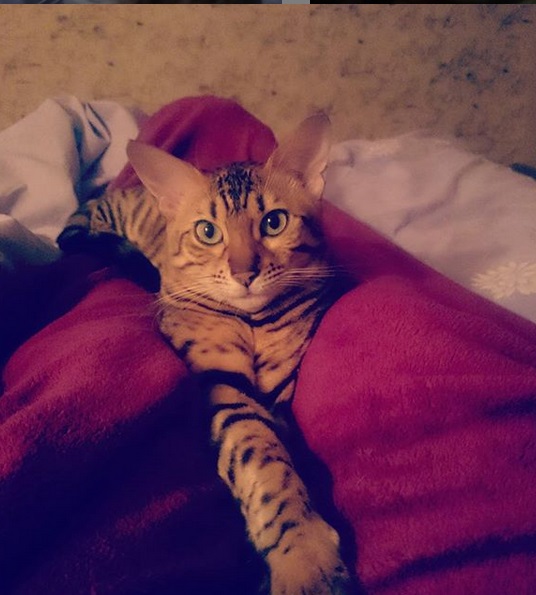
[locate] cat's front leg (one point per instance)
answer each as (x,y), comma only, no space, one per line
(300,548)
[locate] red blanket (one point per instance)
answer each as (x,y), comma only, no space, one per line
(418,397)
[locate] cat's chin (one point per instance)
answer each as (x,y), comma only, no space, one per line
(249,303)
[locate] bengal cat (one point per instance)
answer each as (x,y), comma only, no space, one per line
(244,284)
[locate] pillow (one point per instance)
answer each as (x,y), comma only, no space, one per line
(469,218)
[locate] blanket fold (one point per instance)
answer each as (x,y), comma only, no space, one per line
(418,397)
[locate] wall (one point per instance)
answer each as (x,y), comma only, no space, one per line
(378,70)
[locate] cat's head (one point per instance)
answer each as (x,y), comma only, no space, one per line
(245,234)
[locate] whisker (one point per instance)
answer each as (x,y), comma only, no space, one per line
(189,293)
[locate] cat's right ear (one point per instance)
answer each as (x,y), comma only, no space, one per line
(168,179)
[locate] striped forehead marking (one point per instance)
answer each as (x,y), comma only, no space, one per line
(235,184)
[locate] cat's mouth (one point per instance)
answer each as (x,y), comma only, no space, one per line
(249,301)
(248,298)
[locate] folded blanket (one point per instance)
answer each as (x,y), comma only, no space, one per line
(417,397)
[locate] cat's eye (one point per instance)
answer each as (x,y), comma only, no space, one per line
(274,222)
(208,233)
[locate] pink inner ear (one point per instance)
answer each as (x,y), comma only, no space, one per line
(167,178)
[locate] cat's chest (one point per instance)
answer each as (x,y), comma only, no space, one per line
(267,353)
(278,352)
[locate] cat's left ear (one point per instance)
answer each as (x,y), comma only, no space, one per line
(167,178)
(305,153)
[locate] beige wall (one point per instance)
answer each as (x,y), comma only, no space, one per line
(466,70)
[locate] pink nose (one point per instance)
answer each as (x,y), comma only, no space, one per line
(245,279)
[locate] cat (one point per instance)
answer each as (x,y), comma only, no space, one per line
(244,283)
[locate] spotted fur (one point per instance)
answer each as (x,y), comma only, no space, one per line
(241,309)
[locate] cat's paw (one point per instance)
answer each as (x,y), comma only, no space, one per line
(111,249)
(308,563)
(74,238)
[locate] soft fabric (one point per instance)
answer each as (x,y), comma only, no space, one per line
(208,132)
(469,218)
(417,397)
(64,151)
(429,429)
(106,485)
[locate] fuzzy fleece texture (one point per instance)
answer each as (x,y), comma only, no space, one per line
(417,397)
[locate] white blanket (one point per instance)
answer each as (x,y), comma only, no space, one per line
(470,219)
(61,153)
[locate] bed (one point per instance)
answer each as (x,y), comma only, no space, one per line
(416,399)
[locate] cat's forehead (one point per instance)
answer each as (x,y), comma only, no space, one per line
(237,185)
(252,189)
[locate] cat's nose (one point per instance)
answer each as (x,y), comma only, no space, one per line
(245,279)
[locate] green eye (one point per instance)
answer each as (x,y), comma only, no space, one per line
(208,233)
(274,222)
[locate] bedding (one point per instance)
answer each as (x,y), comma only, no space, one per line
(62,152)
(470,219)
(417,400)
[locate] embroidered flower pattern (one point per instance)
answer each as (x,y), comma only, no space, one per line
(507,279)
